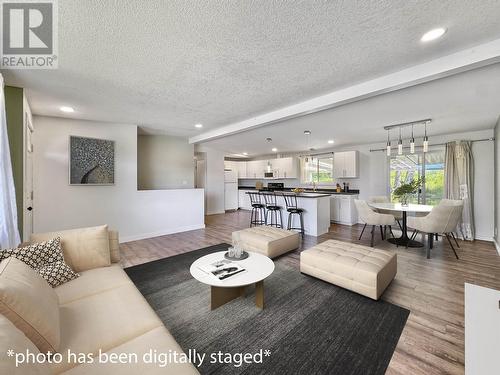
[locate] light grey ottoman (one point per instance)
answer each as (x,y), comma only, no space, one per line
(269,241)
(361,269)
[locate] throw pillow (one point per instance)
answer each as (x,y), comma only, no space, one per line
(46,258)
(84,248)
(30,304)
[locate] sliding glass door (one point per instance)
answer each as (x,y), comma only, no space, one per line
(429,167)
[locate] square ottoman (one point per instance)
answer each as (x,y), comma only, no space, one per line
(361,269)
(269,241)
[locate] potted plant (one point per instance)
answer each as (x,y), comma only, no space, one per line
(404,192)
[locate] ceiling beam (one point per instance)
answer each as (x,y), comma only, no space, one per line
(473,58)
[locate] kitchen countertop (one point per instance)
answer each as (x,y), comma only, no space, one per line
(300,195)
(308,191)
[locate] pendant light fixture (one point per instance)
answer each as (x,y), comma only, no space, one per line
(400,143)
(425,145)
(412,142)
(388,143)
(400,126)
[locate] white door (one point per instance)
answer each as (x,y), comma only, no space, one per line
(201,172)
(28,179)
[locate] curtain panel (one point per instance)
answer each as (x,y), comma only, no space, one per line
(459,180)
(9,233)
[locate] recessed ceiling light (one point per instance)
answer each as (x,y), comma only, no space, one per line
(307,132)
(198,126)
(274,149)
(67,109)
(245,153)
(433,34)
(330,141)
(268,139)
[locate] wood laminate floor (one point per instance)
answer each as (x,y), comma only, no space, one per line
(432,289)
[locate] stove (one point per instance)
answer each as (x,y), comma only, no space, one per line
(275,186)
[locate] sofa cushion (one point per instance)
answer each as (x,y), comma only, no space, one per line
(104,321)
(84,248)
(46,258)
(114,246)
(30,303)
(92,282)
(12,338)
(158,339)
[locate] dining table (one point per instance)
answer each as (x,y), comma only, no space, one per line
(391,208)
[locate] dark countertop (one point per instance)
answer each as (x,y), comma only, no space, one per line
(318,191)
(302,195)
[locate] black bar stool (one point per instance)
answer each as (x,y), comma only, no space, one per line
(258,216)
(272,209)
(293,209)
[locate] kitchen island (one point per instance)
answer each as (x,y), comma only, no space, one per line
(316,208)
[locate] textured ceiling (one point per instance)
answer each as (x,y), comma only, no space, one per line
(463,102)
(170,64)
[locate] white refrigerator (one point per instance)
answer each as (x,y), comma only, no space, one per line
(230,189)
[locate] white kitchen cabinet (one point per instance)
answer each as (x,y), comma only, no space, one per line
(345,164)
(244,200)
(342,209)
(281,168)
(242,169)
(284,167)
(256,168)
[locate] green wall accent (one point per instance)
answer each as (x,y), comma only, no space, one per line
(14,112)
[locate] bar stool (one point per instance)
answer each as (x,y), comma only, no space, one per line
(293,209)
(272,209)
(258,216)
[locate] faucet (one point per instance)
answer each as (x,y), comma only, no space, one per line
(314,186)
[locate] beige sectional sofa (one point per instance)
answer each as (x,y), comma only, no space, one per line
(101,310)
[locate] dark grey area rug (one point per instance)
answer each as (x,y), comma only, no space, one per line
(310,326)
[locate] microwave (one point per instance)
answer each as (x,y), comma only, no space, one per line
(268,174)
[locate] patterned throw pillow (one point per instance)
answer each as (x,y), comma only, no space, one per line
(46,258)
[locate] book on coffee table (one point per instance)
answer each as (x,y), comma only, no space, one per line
(223,269)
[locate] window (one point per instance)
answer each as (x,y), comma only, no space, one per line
(318,170)
(429,167)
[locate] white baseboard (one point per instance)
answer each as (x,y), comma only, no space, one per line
(497,245)
(484,238)
(161,233)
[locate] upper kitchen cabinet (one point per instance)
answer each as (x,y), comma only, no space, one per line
(256,168)
(284,167)
(239,166)
(345,164)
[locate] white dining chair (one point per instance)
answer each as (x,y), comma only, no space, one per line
(368,216)
(398,216)
(443,219)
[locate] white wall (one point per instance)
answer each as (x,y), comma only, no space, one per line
(497,186)
(214,183)
(164,162)
(374,177)
(136,214)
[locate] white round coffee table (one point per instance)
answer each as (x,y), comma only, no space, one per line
(257,267)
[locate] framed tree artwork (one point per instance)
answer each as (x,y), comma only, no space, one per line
(91,161)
